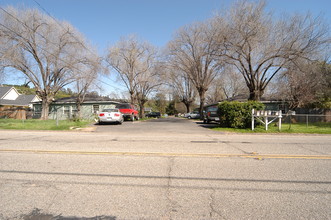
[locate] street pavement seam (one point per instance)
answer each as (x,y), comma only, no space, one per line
(169,154)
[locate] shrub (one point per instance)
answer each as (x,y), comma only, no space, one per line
(237,114)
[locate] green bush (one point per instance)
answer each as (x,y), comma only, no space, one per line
(237,114)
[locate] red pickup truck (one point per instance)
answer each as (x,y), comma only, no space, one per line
(128,111)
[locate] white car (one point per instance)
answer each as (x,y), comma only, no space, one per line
(110,115)
(192,115)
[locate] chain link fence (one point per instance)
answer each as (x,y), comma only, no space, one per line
(23,114)
(307,119)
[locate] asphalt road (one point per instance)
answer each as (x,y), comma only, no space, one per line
(163,169)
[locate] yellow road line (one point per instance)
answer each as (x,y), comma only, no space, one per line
(161,154)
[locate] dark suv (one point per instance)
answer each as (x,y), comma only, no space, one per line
(128,111)
(153,115)
(210,114)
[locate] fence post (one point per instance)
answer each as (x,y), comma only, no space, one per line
(252,119)
(266,120)
(280,120)
(307,118)
(57,117)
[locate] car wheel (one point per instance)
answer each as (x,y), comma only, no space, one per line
(189,117)
(137,117)
(100,123)
(132,117)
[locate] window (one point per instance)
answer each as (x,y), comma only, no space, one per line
(95,109)
(282,107)
(53,108)
(74,109)
(123,106)
(66,109)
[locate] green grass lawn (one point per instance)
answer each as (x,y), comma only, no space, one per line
(316,128)
(36,124)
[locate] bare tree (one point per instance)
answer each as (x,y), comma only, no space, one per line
(147,82)
(192,52)
(181,85)
(215,92)
(305,84)
(44,50)
(132,60)
(260,47)
(85,77)
(232,83)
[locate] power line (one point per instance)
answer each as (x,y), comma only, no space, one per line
(38,46)
(36,33)
(75,68)
(102,59)
(42,8)
(56,57)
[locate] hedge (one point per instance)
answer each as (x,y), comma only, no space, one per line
(237,114)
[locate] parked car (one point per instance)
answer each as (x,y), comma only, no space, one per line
(210,114)
(110,115)
(153,115)
(192,115)
(128,111)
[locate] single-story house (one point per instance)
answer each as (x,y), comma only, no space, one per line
(9,96)
(65,108)
(15,105)
(270,104)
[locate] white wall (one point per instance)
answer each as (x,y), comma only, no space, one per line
(11,95)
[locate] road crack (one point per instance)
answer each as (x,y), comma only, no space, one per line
(212,204)
(173,205)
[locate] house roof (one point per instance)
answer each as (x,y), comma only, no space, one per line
(4,91)
(22,100)
(87,100)
(244,98)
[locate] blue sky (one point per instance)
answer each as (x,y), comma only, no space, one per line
(103,22)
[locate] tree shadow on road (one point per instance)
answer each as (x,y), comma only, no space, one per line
(36,214)
(208,126)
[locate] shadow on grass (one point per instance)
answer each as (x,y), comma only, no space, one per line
(315,128)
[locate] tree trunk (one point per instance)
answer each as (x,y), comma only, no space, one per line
(45,108)
(202,93)
(188,106)
(132,97)
(78,113)
(255,94)
(141,109)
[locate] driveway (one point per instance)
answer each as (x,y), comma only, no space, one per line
(169,125)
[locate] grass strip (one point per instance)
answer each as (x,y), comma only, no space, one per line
(37,124)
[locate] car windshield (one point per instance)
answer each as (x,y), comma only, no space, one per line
(110,110)
(123,106)
(212,109)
